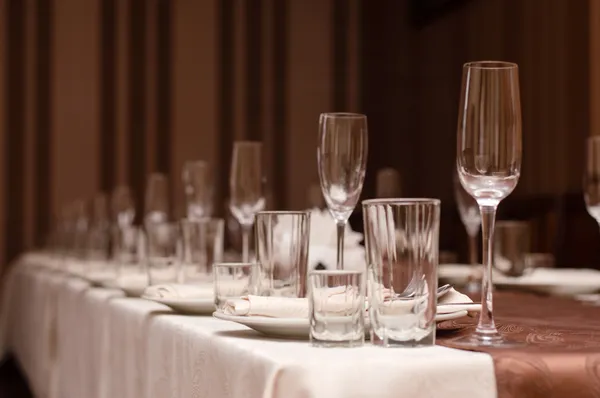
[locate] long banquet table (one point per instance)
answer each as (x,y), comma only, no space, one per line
(74,340)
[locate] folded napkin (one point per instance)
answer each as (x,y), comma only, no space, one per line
(557,276)
(339,300)
(178,291)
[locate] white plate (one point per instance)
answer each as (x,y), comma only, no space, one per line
(561,282)
(458,274)
(296,328)
(200,306)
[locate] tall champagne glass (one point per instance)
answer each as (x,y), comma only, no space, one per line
(342,159)
(469,215)
(591,178)
(488,161)
(157,199)
(246,183)
(197,185)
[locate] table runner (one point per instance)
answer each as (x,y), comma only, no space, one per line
(101,344)
(562,355)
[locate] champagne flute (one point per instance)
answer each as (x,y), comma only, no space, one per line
(122,206)
(157,199)
(469,215)
(196,181)
(342,160)
(591,178)
(246,183)
(488,161)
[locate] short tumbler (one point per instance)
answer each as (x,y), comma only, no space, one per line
(202,245)
(401,239)
(232,281)
(162,253)
(336,308)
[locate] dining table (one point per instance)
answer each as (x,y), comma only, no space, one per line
(74,339)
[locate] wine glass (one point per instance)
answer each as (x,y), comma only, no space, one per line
(591,178)
(469,215)
(157,199)
(488,160)
(246,182)
(342,159)
(196,181)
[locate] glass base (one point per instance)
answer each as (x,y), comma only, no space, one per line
(491,339)
(337,343)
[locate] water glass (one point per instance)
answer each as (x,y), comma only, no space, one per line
(282,239)
(198,189)
(162,250)
(233,280)
(401,238)
(336,308)
(156,199)
(202,246)
(512,241)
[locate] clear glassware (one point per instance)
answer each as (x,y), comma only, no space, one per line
(156,199)
(132,275)
(470,216)
(122,206)
(162,253)
(336,308)
(488,161)
(202,246)
(591,178)
(342,161)
(233,280)
(282,239)
(401,242)
(246,183)
(198,189)
(512,242)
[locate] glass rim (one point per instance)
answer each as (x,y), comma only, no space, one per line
(283,212)
(335,272)
(491,65)
(344,115)
(401,201)
(234,264)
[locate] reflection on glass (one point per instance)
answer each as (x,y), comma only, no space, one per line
(469,215)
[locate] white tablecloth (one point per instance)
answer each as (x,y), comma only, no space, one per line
(77,341)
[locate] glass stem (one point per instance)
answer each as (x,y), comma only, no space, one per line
(245,243)
(486,324)
(341,228)
(472,249)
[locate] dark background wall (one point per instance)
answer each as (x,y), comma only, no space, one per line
(97,93)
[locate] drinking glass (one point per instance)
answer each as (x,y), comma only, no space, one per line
(162,253)
(512,242)
(196,181)
(591,178)
(389,184)
(336,308)
(401,242)
(342,160)
(233,280)
(246,183)
(282,239)
(202,245)
(469,215)
(98,235)
(157,199)
(488,161)
(122,206)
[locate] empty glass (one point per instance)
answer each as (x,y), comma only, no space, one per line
(122,206)
(282,239)
(336,308)
(197,185)
(512,242)
(342,161)
(157,199)
(233,280)
(162,252)
(246,183)
(401,241)
(202,246)
(488,160)
(591,178)
(468,211)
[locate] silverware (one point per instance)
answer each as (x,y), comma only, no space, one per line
(442,290)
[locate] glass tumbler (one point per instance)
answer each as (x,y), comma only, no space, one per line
(161,249)
(282,239)
(512,241)
(336,308)
(401,238)
(202,246)
(232,281)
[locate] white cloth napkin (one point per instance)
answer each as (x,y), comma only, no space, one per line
(178,291)
(285,307)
